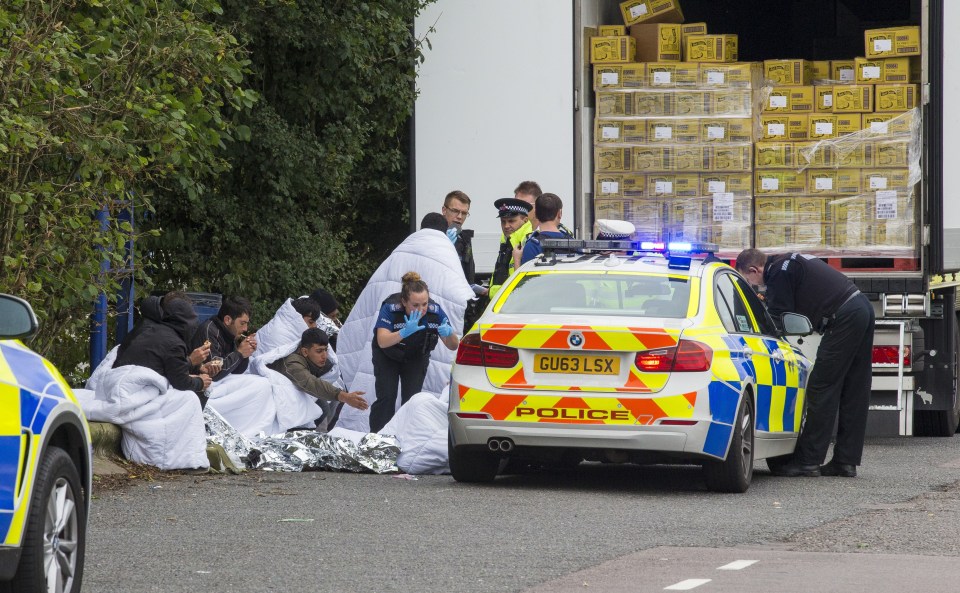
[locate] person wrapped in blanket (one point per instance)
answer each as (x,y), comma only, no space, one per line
(308,363)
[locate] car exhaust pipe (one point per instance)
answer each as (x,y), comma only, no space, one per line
(500,445)
(506,445)
(493,445)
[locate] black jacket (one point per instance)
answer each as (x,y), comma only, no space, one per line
(799,283)
(159,342)
(223,344)
(464,247)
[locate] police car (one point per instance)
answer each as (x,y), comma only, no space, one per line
(620,351)
(45,465)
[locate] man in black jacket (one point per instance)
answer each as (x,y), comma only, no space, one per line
(228,337)
(841,378)
(159,343)
(456,209)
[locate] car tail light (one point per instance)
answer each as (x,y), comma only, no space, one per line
(473,415)
(687,357)
(475,352)
(677,422)
(888,355)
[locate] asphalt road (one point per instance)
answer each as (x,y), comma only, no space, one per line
(365,533)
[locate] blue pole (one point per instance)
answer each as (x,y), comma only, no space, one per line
(98,322)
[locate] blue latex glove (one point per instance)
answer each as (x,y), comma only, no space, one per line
(445,329)
(411,324)
(452,234)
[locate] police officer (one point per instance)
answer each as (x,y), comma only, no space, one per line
(456,209)
(841,378)
(408,328)
(513,214)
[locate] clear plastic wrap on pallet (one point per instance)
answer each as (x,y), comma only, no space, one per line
(893,137)
(677,75)
(653,157)
(682,102)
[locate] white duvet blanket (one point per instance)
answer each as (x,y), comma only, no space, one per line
(420,426)
(430,254)
(285,327)
(161,426)
(294,407)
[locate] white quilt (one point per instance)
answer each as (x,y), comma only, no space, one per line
(420,426)
(432,255)
(285,327)
(245,401)
(161,426)
(294,407)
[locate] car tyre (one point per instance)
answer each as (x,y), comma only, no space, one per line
(472,465)
(734,473)
(55,538)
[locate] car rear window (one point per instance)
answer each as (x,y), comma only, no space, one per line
(636,295)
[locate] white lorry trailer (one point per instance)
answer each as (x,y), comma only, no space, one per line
(506,94)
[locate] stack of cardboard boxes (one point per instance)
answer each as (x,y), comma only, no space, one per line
(838,155)
(675,130)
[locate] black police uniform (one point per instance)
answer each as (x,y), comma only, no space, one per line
(841,378)
(405,362)
(464,247)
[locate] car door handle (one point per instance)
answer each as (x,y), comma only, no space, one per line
(747,352)
(778,355)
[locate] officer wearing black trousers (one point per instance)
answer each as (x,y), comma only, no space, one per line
(841,378)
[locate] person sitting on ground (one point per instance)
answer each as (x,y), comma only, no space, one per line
(227,333)
(305,367)
(329,319)
(308,308)
(549,209)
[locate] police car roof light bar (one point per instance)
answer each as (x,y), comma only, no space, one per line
(595,245)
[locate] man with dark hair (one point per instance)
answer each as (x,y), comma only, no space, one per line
(549,209)
(329,319)
(528,191)
(456,209)
(435,221)
(841,378)
(228,336)
(308,308)
(308,363)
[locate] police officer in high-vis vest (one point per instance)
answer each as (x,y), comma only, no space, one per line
(512,213)
(408,328)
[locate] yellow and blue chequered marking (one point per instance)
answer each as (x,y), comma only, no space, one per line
(30,388)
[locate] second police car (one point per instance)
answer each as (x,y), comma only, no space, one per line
(644,354)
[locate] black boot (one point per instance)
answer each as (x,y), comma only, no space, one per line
(843,470)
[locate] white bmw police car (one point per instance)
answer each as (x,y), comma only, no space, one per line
(612,351)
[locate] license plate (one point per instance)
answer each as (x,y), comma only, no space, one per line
(576,364)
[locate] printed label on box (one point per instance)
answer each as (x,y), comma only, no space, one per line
(776,130)
(722,206)
(879,127)
(664,187)
(716,77)
(778,101)
(871,72)
(662,77)
(882,45)
(610,133)
(716,186)
(609,78)
(770,183)
(828,100)
(715,132)
(847,74)
(638,11)
(886,205)
(609,187)
(663,132)
(878,183)
(824,183)
(823,128)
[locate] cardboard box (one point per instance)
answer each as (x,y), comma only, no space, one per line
(857,155)
(868,71)
(849,123)
(672,74)
(853,99)
(657,42)
(815,154)
(737,183)
(651,159)
(634,186)
(788,72)
(790,99)
(733,158)
(608,186)
(611,30)
(726,129)
(820,69)
(807,236)
(779,182)
(673,131)
(740,74)
(896,97)
(843,71)
(609,159)
(893,123)
(823,99)
(893,42)
(769,210)
(890,153)
(688,29)
(887,70)
(784,127)
(775,155)
(651,11)
(684,158)
(647,212)
(822,182)
(712,48)
(614,49)
(621,131)
(673,185)
(652,103)
(849,181)
(730,102)
(771,236)
(609,209)
(617,76)
(690,103)
(880,179)
(613,104)
(810,209)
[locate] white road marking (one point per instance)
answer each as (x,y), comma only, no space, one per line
(687,585)
(737,565)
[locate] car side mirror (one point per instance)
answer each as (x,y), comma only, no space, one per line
(794,324)
(16,318)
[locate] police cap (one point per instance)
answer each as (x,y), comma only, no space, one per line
(511,207)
